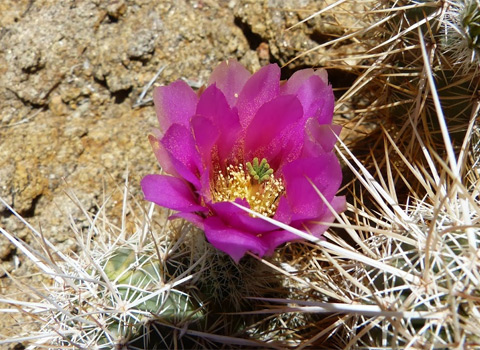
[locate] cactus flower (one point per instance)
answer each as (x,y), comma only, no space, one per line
(253,140)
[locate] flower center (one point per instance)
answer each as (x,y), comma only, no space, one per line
(256,184)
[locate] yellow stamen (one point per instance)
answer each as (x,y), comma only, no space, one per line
(256,185)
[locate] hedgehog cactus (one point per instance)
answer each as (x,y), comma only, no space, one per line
(141,289)
(462,33)
(124,292)
(400,270)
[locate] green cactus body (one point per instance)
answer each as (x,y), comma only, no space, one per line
(137,278)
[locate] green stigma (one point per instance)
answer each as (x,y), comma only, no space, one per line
(259,172)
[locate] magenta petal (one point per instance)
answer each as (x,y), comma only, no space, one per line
(195,219)
(295,82)
(231,240)
(174,104)
(276,238)
(179,143)
(162,155)
(291,86)
(339,204)
(230,77)
(280,115)
(324,172)
(214,106)
(206,135)
(284,212)
(239,218)
(322,73)
(319,138)
(205,190)
(312,89)
(170,192)
(317,99)
(262,87)
(314,227)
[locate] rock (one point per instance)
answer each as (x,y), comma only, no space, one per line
(142,45)
(57,106)
(116,8)
(275,23)
(5,249)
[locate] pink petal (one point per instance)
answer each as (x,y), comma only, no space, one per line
(206,136)
(322,73)
(317,99)
(179,143)
(339,203)
(312,89)
(195,219)
(238,218)
(162,155)
(230,77)
(213,105)
(272,129)
(170,192)
(284,212)
(324,172)
(276,238)
(314,227)
(231,240)
(291,86)
(319,138)
(262,87)
(205,178)
(174,104)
